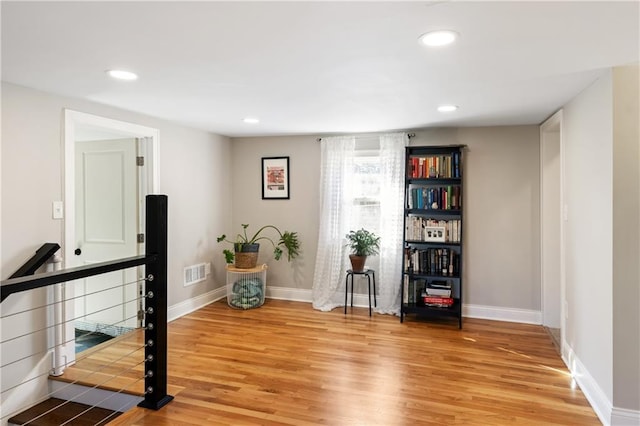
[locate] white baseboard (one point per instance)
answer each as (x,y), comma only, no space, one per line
(525,316)
(306,295)
(288,293)
(359,300)
(624,417)
(589,386)
(191,305)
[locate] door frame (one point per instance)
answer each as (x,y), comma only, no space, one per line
(553,125)
(73,119)
(65,354)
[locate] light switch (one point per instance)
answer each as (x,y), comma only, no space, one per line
(58,210)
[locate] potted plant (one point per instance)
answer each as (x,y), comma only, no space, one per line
(362,244)
(246,248)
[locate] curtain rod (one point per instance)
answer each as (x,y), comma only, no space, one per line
(409,135)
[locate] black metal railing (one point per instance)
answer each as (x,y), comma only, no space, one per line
(155,292)
(40,258)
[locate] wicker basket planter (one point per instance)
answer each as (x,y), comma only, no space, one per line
(246,255)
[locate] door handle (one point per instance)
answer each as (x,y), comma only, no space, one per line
(78,252)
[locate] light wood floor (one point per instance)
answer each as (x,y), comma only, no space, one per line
(285,363)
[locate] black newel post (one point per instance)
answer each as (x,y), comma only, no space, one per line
(156,305)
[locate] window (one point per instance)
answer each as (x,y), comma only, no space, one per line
(366,195)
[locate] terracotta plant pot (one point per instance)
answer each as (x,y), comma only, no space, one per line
(357,262)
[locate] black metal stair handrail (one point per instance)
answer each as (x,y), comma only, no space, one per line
(155,261)
(24,283)
(37,260)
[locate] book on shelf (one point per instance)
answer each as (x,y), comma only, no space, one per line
(438,301)
(409,290)
(444,284)
(434,198)
(440,288)
(443,262)
(434,166)
(441,292)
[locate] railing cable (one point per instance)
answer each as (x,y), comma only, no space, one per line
(82,393)
(80,358)
(74,319)
(73,298)
(118,411)
(85,377)
(48,372)
(125,405)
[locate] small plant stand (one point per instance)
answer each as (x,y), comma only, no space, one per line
(246,288)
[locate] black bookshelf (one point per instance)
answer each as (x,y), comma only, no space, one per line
(432,260)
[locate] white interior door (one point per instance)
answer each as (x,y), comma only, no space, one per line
(106,228)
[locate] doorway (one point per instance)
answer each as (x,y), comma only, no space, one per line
(110,166)
(106,228)
(551,190)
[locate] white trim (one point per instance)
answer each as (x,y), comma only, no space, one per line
(624,417)
(288,293)
(72,119)
(552,125)
(564,314)
(359,300)
(305,295)
(191,305)
(526,316)
(589,386)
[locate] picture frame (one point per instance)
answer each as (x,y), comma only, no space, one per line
(435,233)
(275,178)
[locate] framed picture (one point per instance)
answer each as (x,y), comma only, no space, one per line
(435,233)
(275,178)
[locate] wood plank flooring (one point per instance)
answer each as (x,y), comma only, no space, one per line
(57,411)
(288,364)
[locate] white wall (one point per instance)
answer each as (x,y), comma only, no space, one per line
(588,142)
(626,238)
(602,234)
(299,213)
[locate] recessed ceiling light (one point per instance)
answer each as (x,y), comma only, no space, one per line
(251,120)
(122,75)
(438,38)
(447,108)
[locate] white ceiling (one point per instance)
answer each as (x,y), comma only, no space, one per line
(319,67)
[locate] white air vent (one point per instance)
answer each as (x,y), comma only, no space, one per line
(195,274)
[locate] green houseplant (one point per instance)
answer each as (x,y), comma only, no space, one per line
(245,254)
(362,243)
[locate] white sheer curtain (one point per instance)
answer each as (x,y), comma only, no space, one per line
(389,276)
(336,205)
(337,155)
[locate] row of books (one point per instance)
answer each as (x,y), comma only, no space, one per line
(434,167)
(429,293)
(424,229)
(435,198)
(433,261)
